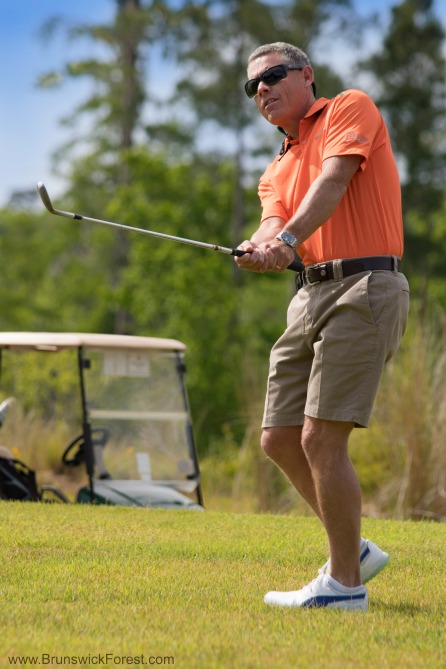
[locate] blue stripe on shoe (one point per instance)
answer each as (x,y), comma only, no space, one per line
(324,600)
(364,553)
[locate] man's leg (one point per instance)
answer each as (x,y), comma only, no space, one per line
(283,445)
(338,493)
(321,471)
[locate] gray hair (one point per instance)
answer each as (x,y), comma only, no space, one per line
(291,54)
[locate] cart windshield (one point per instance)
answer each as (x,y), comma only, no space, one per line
(138,412)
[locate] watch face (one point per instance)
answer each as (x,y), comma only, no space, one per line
(288,238)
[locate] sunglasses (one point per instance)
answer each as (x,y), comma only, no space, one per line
(269,77)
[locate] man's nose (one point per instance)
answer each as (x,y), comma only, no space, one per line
(262,87)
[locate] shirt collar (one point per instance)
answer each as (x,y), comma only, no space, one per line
(315,108)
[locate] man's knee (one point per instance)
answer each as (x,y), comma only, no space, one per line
(323,440)
(269,441)
(277,440)
(312,437)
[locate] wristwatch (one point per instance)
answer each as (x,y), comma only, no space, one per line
(287,238)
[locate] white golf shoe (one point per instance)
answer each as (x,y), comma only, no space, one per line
(324,591)
(372,560)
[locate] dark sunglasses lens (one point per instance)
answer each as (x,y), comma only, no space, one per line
(275,74)
(270,77)
(251,87)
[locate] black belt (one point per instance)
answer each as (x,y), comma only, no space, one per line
(337,269)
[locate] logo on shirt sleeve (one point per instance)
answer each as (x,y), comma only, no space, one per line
(351,137)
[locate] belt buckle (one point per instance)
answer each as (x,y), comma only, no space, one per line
(319,271)
(311,274)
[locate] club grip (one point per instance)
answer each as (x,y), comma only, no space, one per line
(295,266)
(238,252)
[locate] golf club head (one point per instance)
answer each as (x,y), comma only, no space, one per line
(44,196)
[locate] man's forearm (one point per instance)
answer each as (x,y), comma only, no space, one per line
(318,205)
(268,230)
(323,196)
(264,252)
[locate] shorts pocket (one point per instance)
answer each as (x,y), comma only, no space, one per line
(378,294)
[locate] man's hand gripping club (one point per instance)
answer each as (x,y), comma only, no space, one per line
(271,256)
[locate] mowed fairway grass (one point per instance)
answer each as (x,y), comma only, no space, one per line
(185,589)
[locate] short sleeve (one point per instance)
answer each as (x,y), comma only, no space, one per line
(269,199)
(353,126)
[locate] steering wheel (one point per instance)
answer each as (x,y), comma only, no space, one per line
(99,437)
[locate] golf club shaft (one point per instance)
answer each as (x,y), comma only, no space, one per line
(296,266)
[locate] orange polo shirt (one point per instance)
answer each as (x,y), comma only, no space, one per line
(368,220)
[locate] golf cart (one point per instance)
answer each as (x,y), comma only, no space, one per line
(128,407)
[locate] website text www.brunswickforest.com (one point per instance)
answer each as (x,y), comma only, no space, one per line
(104,659)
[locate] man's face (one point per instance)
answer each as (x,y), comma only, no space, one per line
(283,103)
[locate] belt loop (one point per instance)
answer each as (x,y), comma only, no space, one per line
(338,274)
(300,280)
(394,264)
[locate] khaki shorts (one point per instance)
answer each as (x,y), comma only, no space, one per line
(329,361)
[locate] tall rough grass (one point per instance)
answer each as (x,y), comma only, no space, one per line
(408,433)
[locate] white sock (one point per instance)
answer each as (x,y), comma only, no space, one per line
(341,587)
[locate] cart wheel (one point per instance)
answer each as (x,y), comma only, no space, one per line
(74,454)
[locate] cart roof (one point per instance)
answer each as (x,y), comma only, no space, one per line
(55,341)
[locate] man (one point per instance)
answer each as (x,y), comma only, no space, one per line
(333,195)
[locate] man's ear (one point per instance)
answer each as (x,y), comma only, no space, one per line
(308,75)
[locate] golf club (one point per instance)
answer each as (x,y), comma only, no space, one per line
(296,266)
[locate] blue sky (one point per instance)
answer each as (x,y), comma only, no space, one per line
(30,118)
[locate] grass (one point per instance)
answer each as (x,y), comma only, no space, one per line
(79,581)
